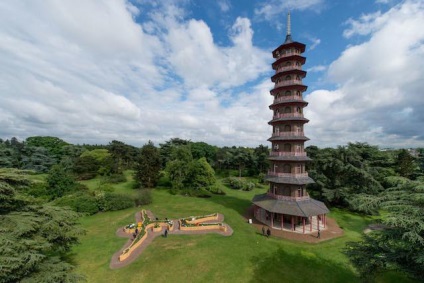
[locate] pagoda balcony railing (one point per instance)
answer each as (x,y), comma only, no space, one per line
(295,175)
(288,134)
(290,97)
(290,153)
(288,82)
(281,197)
(288,68)
(287,54)
(287,115)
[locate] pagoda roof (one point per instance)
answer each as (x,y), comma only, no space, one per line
(288,138)
(288,102)
(303,208)
(291,57)
(289,180)
(283,119)
(289,158)
(289,87)
(289,44)
(298,72)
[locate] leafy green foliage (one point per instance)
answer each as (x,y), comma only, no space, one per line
(400,245)
(240,184)
(59,182)
(34,239)
(147,169)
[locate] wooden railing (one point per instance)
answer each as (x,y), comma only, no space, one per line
(287,115)
(285,98)
(280,197)
(288,134)
(290,153)
(276,174)
(288,82)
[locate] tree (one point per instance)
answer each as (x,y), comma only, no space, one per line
(147,170)
(167,148)
(401,244)
(405,164)
(59,182)
(53,145)
(34,239)
(179,166)
(200,175)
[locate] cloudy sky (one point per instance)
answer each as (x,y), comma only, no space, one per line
(92,71)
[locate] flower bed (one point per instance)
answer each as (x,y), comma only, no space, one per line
(199,219)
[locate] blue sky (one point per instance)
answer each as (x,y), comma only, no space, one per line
(93,71)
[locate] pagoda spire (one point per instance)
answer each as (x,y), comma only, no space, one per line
(288,34)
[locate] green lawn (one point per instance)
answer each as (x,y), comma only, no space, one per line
(246,256)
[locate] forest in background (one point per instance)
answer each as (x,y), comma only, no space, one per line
(358,177)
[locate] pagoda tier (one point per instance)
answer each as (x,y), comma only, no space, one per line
(287,198)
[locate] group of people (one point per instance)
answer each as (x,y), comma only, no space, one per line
(268,231)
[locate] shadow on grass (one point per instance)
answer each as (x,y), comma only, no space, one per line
(302,267)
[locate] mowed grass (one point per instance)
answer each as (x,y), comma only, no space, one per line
(246,256)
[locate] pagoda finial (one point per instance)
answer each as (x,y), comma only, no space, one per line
(288,24)
(288,35)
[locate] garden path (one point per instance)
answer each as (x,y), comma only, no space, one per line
(115,263)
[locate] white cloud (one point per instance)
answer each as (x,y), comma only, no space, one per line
(318,68)
(224,5)
(273,8)
(380,83)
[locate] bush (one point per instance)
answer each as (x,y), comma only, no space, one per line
(113,201)
(143,197)
(79,202)
(240,184)
(216,190)
(116,178)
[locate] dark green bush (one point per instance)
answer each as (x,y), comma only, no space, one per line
(79,202)
(143,197)
(115,201)
(240,184)
(116,178)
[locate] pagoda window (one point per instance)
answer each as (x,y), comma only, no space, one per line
(298,78)
(299,110)
(288,78)
(288,63)
(287,110)
(287,128)
(288,93)
(298,93)
(287,147)
(299,192)
(286,168)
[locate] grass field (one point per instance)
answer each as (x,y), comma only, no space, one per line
(246,256)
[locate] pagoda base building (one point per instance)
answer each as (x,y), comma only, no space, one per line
(287,204)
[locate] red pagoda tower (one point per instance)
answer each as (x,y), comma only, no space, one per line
(287,205)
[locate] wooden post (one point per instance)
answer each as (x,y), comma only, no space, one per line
(292,222)
(282,221)
(318,222)
(310,223)
(323,219)
(272,219)
(303,225)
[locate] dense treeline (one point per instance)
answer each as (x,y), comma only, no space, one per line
(359,177)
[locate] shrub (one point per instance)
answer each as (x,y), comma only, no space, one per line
(79,202)
(240,184)
(216,190)
(115,201)
(143,197)
(116,178)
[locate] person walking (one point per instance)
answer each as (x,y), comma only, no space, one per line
(166,233)
(268,232)
(263,230)
(319,234)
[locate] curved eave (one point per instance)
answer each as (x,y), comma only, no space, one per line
(288,87)
(288,45)
(297,119)
(289,158)
(290,180)
(289,102)
(298,72)
(296,138)
(304,208)
(294,57)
